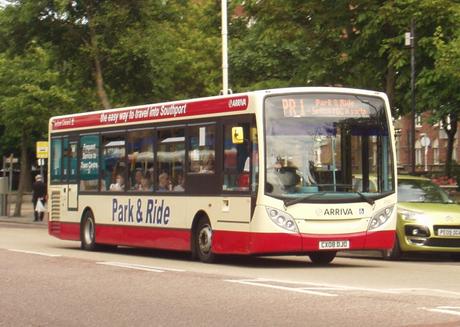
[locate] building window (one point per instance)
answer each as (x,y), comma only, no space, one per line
(454,151)
(436,152)
(418,153)
(418,121)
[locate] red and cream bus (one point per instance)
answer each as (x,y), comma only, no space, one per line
(284,171)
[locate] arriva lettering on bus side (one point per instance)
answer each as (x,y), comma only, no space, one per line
(305,171)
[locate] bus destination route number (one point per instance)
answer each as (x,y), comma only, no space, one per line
(332,245)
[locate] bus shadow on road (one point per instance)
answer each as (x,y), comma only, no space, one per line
(280,262)
(428,257)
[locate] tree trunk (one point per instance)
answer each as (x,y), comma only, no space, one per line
(24,175)
(101,93)
(450,141)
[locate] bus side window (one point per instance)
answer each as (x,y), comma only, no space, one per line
(140,161)
(237,162)
(113,172)
(89,162)
(202,149)
(170,158)
(56,160)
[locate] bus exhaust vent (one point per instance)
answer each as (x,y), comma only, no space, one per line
(55,212)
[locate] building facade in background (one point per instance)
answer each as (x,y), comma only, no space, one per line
(431,159)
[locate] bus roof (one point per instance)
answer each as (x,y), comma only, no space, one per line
(234,103)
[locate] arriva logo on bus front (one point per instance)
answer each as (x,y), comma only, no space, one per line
(241,102)
(335,212)
(151,213)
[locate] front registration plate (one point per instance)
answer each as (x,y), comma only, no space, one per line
(448,232)
(332,245)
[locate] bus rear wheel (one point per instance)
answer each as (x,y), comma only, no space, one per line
(203,241)
(322,258)
(88,232)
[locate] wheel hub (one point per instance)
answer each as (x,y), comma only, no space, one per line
(205,239)
(89,231)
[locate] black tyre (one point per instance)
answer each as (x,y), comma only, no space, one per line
(322,258)
(88,232)
(394,253)
(203,241)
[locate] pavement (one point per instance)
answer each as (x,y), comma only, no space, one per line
(27,216)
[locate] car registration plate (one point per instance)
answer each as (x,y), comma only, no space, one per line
(448,232)
(333,245)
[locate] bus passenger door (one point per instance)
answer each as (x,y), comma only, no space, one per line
(70,164)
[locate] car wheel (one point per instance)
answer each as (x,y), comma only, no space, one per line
(203,241)
(322,258)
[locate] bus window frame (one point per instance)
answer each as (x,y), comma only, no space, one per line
(158,129)
(61,160)
(237,119)
(79,153)
(125,159)
(210,183)
(190,190)
(153,131)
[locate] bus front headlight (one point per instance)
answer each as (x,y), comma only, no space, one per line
(380,217)
(282,219)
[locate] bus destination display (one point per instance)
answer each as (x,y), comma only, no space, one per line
(324,107)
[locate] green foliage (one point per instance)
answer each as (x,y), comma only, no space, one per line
(31,93)
(158,50)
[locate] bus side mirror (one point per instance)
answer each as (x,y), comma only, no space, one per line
(237,135)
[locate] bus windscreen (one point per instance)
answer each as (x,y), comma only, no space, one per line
(334,144)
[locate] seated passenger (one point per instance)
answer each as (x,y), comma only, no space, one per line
(119,184)
(137,183)
(180,183)
(163,182)
(208,164)
(145,184)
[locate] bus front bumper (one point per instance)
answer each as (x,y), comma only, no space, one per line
(226,242)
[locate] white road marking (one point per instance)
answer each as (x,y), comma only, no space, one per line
(429,291)
(138,267)
(324,289)
(264,283)
(36,253)
(444,309)
(324,286)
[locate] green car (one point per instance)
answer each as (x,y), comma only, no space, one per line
(428,220)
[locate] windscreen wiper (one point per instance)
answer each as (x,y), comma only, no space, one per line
(288,203)
(366,198)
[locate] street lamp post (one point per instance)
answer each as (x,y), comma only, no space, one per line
(224,49)
(410,41)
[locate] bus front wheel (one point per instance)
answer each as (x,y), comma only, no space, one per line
(88,232)
(203,241)
(394,253)
(322,258)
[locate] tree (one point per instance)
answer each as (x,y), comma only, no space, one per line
(32,92)
(441,89)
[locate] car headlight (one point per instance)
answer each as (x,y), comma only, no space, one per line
(410,215)
(380,217)
(282,219)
